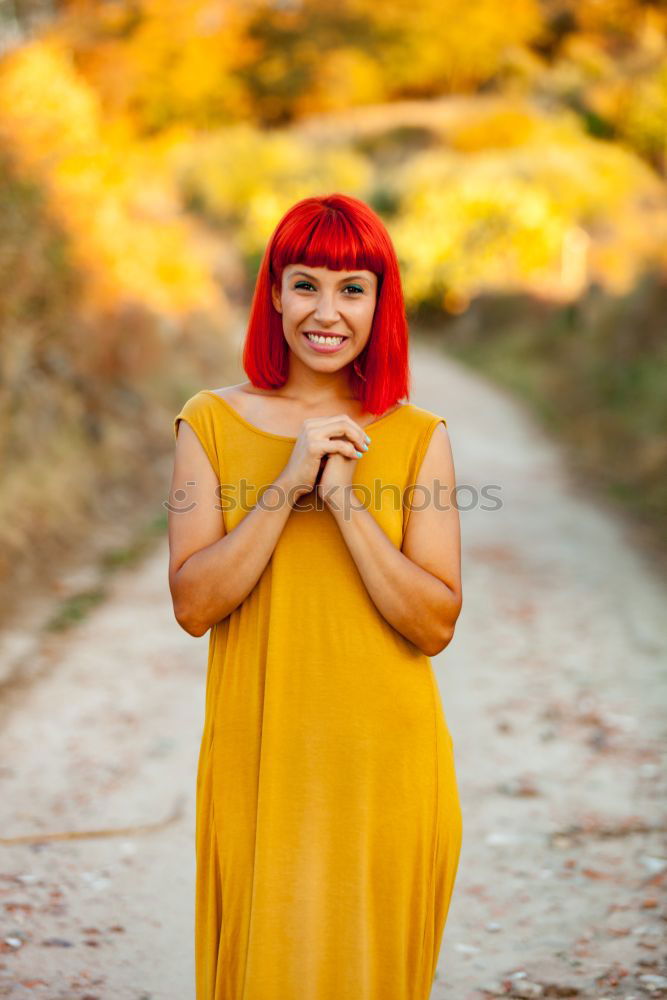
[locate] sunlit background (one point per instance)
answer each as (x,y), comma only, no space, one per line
(517,152)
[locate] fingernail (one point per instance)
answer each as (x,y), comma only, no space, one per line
(359,454)
(367,437)
(364,446)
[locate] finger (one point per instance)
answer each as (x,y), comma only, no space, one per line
(342,424)
(319,444)
(345,448)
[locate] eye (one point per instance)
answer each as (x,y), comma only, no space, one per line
(307,284)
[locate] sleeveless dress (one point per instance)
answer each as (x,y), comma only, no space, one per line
(328,823)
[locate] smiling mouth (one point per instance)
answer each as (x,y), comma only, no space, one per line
(321,338)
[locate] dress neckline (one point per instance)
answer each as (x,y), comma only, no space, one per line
(286,437)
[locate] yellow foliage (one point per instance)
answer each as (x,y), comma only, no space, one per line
(121,218)
(615,67)
(640,113)
(45,107)
(548,214)
(586,53)
(347,76)
(176,61)
(447,44)
(248,178)
(125,109)
(620,16)
(502,126)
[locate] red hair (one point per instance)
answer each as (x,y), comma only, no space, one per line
(341,233)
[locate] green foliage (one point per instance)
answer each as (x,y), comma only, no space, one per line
(595,372)
(31,246)
(75,609)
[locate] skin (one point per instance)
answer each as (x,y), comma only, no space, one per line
(417,589)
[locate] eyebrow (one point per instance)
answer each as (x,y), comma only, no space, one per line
(349,277)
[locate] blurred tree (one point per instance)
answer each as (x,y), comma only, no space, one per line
(208,63)
(162,61)
(291,49)
(444,46)
(103,187)
(20,18)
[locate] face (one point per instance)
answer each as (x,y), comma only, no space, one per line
(329,304)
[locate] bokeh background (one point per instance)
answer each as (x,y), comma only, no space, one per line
(517,152)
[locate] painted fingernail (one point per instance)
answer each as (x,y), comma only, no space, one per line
(359,454)
(367,437)
(364,446)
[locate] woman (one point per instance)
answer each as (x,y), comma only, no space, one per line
(328,822)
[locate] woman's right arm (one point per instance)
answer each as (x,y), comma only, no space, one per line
(210,572)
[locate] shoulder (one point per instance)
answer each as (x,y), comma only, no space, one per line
(241,397)
(193,401)
(204,399)
(424,423)
(195,409)
(199,411)
(422,415)
(233,392)
(429,440)
(435,459)
(411,431)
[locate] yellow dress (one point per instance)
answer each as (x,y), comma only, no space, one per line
(328,823)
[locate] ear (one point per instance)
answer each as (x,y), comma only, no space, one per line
(275,298)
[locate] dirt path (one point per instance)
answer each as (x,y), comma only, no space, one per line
(553,688)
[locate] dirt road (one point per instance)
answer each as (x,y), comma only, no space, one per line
(554,691)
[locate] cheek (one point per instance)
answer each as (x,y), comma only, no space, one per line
(367,314)
(293,306)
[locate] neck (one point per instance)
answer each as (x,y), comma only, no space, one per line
(313,388)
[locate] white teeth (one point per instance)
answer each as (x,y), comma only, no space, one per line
(324,340)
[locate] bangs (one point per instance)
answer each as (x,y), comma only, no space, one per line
(331,241)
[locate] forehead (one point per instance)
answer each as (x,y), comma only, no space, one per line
(326,272)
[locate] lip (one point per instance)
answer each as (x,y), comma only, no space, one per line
(325,348)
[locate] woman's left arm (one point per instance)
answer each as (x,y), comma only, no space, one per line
(417,588)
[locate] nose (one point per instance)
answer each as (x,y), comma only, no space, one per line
(325,310)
